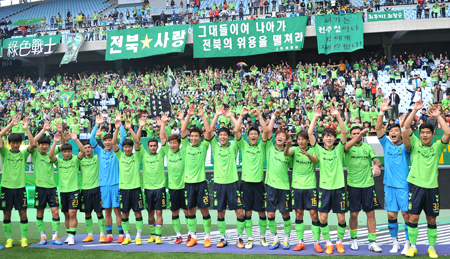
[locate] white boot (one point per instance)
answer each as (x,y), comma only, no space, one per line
(406,247)
(354,245)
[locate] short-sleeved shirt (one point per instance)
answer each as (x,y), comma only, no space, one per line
(225,170)
(13,165)
(175,167)
(331,164)
(253,158)
(359,166)
(129,171)
(277,167)
(396,164)
(303,172)
(424,163)
(195,161)
(89,173)
(44,172)
(153,169)
(68,173)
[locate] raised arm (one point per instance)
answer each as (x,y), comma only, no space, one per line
(185,122)
(237,125)
(352,142)
(312,139)
(264,128)
(162,132)
(335,113)
(43,130)
(435,113)
(287,148)
(13,122)
(383,108)
(219,112)
(406,127)
(142,123)
(208,130)
(32,145)
(118,123)
(74,137)
(51,153)
(275,114)
(137,142)
(92,140)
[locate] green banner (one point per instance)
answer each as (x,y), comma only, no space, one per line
(251,37)
(385,16)
(339,33)
(145,42)
(30,47)
(27,22)
(74,42)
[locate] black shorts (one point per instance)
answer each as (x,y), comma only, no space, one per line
(333,199)
(69,200)
(155,199)
(365,198)
(131,199)
(278,198)
(423,199)
(227,194)
(253,196)
(176,199)
(91,200)
(304,199)
(13,197)
(44,196)
(196,195)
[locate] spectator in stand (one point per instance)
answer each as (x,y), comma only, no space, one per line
(394,103)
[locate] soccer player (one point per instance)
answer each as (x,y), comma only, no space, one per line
(154,180)
(304,188)
(175,171)
(45,191)
(332,181)
(68,168)
(90,193)
(109,178)
(396,170)
(252,180)
(361,186)
(226,189)
(129,180)
(423,177)
(278,192)
(13,179)
(196,189)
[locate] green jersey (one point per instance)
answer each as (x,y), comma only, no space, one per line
(424,163)
(13,164)
(68,173)
(175,167)
(153,170)
(195,161)
(129,171)
(277,167)
(331,166)
(252,161)
(303,172)
(89,168)
(44,173)
(225,170)
(359,166)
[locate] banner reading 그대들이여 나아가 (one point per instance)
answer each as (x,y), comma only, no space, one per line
(339,33)
(250,37)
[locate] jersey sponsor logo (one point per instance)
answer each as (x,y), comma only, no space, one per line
(359,157)
(128,162)
(252,152)
(426,155)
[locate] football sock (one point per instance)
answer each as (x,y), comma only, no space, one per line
(393,227)
(406,231)
(287,225)
(272,226)
(40,226)
(354,233)
(7,228)
(299,228)
(139,227)
(325,229)
(158,230)
(109,229)
(89,225)
(341,231)
(240,224)
(55,227)
(432,234)
(24,228)
(315,228)
(262,226)
(372,237)
(101,224)
(222,225)
(206,224)
(413,233)
(176,223)
(126,227)
(249,227)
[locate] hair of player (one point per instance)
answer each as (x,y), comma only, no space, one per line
(391,126)
(329,131)
(196,129)
(86,142)
(107,136)
(253,128)
(303,134)
(127,142)
(355,128)
(65,147)
(426,125)
(226,130)
(152,140)
(281,132)
(44,140)
(174,137)
(15,137)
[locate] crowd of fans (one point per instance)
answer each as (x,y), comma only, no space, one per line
(352,87)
